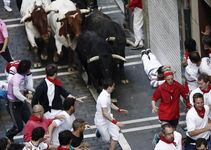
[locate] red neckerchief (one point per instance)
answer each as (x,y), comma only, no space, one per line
(187,54)
(200,112)
(167,141)
(62,148)
(207,90)
(55,81)
(35,118)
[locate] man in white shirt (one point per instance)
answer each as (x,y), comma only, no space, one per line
(63,124)
(166,141)
(107,126)
(197,122)
(203,88)
(192,70)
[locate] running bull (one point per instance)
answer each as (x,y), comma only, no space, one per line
(97,57)
(111,32)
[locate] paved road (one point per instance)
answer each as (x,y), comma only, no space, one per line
(141,124)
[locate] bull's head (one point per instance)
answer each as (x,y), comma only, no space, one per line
(38,16)
(71,24)
(39,20)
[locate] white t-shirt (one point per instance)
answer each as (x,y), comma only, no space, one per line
(103,101)
(65,124)
(191,75)
(205,66)
(165,146)
(41,146)
(178,140)
(207,96)
(194,122)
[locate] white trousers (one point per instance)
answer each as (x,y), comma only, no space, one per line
(109,130)
(6,2)
(138,23)
(150,63)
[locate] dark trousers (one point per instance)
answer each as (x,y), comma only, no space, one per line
(173,123)
(20,113)
(6,55)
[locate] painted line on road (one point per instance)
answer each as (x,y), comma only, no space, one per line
(133,56)
(14,25)
(112,12)
(12,19)
(39,70)
(123,131)
(107,7)
(43,76)
(69,73)
(125,122)
(20,25)
(66,66)
(135,129)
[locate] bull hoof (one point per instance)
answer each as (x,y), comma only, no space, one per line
(125,81)
(56,58)
(37,65)
(35,50)
(44,56)
(72,70)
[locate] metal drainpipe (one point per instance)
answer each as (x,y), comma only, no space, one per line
(187,19)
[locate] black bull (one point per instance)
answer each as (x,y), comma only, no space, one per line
(99,28)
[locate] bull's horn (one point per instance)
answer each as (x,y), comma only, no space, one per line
(111,38)
(25,17)
(118,57)
(129,42)
(92,59)
(85,11)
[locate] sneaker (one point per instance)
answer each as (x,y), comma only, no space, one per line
(97,133)
(143,52)
(148,51)
(7,8)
